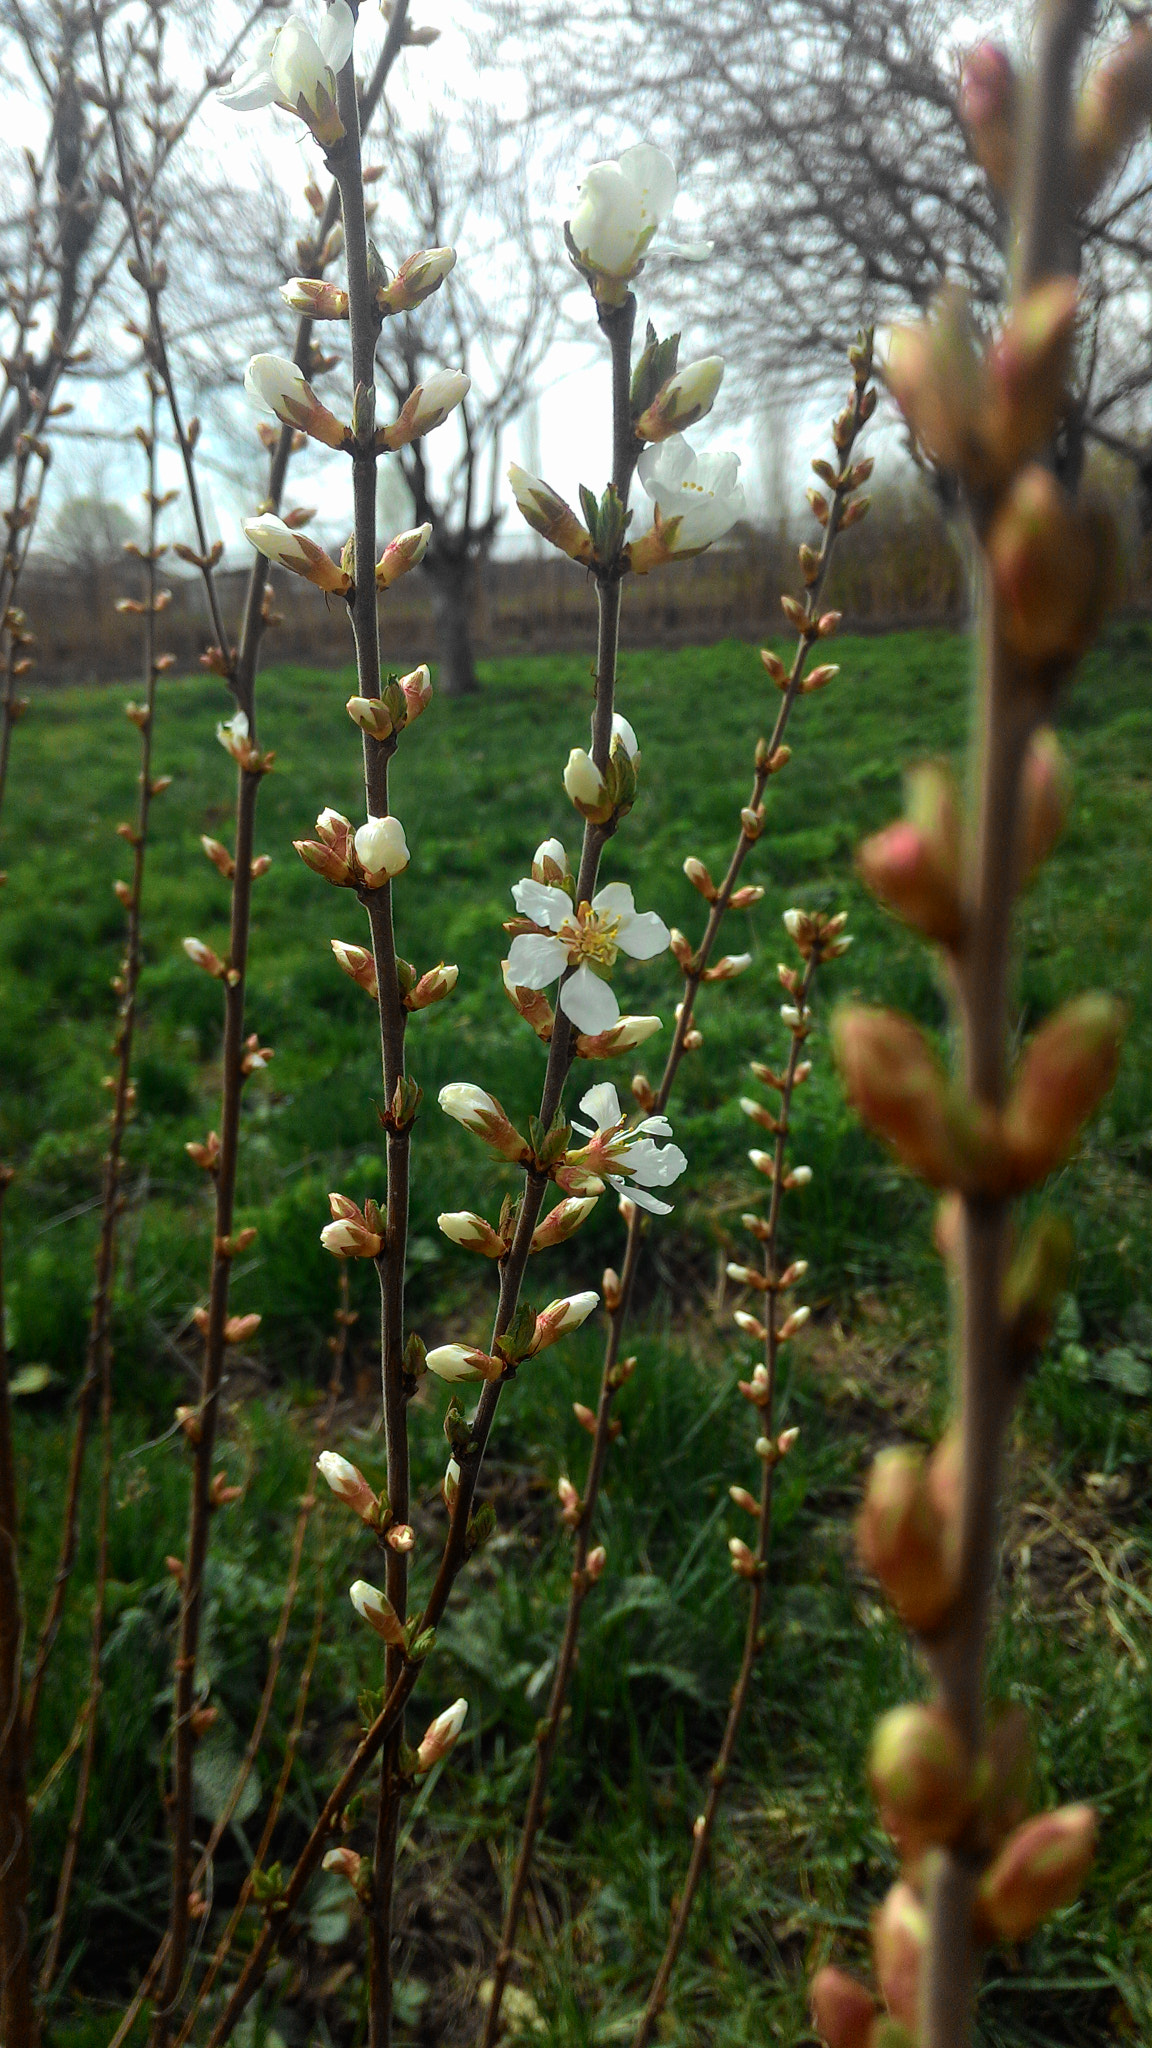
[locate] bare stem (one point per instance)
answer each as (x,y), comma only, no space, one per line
(549,1732)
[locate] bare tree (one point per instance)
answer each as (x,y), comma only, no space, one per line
(824,143)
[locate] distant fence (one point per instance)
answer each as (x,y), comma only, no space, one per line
(900,568)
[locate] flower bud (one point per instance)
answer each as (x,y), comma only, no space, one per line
(562,1221)
(842,2009)
(350,1235)
(401,1537)
(728,967)
(899,1935)
(988,109)
(905,1542)
(417,278)
(440,1736)
(914,866)
(1114,106)
(454,1362)
(272,538)
(750,1324)
(402,554)
(203,956)
(741,1497)
(381,850)
(344,1863)
(377,1610)
(899,1089)
(1041,1867)
(547,513)
(683,400)
(275,385)
(1045,794)
(432,987)
(1066,1071)
(559,1317)
(570,1503)
(372,716)
(595,1562)
(792,1323)
(1051,563)
(316,297)
(472,1232)
(700,878)
(919,1776)
(349,1485)
(623,1036)
(357,963)
(426,407)
(744,1562)
(586,787)
(417,688)
(481,1114)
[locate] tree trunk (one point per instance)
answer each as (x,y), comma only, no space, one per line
(454,583)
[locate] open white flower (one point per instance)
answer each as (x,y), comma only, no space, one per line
(700,491)
(628,1157)
(622,205)
(587,937)
(294,69)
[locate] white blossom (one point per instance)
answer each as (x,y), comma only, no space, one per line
(630,1159)
(381,848)
(587,937)
(294,69)
(700,491)
(622,204)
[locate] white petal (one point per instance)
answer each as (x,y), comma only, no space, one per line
(534,960)
(588,1001)
(644,936)
(652,176)
(665,468)
(250,87)
(616,900)
(542,903)
(692,252)
(336,32)
(602,1104)
(642,1199)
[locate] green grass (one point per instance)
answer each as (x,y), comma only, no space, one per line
(801,1858)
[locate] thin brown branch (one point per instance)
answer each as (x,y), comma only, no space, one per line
(18,2021)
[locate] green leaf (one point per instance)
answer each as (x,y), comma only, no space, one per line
(31,1379)
(1122,1369)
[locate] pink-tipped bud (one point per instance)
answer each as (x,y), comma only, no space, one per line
(899,1933)
(842,2009)
(988,109)
(550,515)
(562,1221)
(785,1441)
(750,1324)
(1051,566)
(904,1541)
(1114,106)
(401,1538)
(402,554)
(344,1863)
(1041,1867)
(792,1323)
(1045,794)
(561,1316)
(743,1560)
(741,1497)
(357,963)
(898,1088)
(915,871)
(349,1485)
(432,987)
(595,1562)
(1066,1071)
(758,1389)
(352,1233)
(480,1113)
(919,1776)
(417,688)
(440,1736)
(203,957)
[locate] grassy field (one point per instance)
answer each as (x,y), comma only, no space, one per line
(801,1858)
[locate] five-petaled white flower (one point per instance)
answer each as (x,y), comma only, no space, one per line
(629,1158)
(294,69)
(586,936)
(621,206)
(700,491)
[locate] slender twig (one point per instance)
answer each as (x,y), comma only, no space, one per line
(768,761)
(98,1363)
(18,2021)
(618,324)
